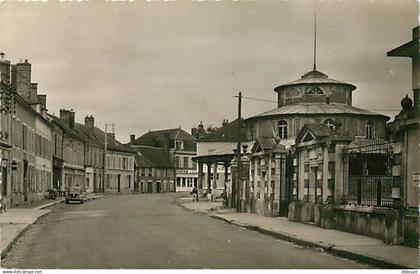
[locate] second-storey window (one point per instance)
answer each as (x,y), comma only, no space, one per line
(282,126)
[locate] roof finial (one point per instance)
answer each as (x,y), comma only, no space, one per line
(315,41)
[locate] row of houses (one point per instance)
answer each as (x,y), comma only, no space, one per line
(40,151)
(318,159)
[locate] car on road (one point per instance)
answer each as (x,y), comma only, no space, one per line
(75,195)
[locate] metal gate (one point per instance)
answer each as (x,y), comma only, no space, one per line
(370,174)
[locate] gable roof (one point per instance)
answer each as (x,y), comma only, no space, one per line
(152,138)
(316,130)
(152,157)
(67,130)
(227,133)
(98,136)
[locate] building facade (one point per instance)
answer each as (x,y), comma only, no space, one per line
(26,137)
(94,155)
(73,174)
(154,171)
(119,168)
(405,133)
(180,148)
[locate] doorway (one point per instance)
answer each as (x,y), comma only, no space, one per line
(25,180)
(119,183)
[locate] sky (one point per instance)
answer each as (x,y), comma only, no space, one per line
(148,65)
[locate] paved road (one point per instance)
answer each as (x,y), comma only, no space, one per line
(150,231)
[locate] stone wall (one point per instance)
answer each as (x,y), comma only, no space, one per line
(390,225)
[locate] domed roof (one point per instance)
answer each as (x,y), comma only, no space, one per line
(317,108)
(314,77)
(406,103)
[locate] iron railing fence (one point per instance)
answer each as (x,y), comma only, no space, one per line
(370,190)
(370,174)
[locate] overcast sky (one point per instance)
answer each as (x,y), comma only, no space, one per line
(163,64)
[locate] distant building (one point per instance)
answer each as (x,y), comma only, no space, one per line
(154,171)
(120,166)
(57,138)
(215,151)
(94,154)
(180,148)
(119,171)
(73,173)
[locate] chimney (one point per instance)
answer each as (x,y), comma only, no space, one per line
(42,99)
(225,122)
(132,138)
(194,132)
(90,121)
(4,69)
(23,80)
(13,73)
(33,93)
(68,116)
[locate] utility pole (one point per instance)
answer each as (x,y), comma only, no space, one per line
(238,155)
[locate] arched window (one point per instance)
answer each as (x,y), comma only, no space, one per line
(315,91)
(369,130)
(329,123)
(282,129)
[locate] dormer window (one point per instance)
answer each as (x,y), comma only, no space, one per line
(282,126)
(369,130)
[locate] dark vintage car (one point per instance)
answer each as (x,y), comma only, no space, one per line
(74,195)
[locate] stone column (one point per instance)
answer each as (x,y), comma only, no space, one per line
(215,177)
(208,178)
(326,191)
(397,186)
(244,181)
(279,178)
(341,171)
(233,181)
(200,179)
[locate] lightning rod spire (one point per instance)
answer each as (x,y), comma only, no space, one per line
(315,41)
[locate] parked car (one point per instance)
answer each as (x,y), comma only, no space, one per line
(74,195)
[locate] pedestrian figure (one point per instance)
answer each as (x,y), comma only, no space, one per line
(195,194)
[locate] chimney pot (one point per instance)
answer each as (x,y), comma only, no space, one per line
(132,138)
(90,121)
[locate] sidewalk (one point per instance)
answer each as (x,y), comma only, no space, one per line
(15,221)
(352,246)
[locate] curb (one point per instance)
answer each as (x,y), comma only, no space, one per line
(331,249)
(12,242)
(23,231)
(49,205)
